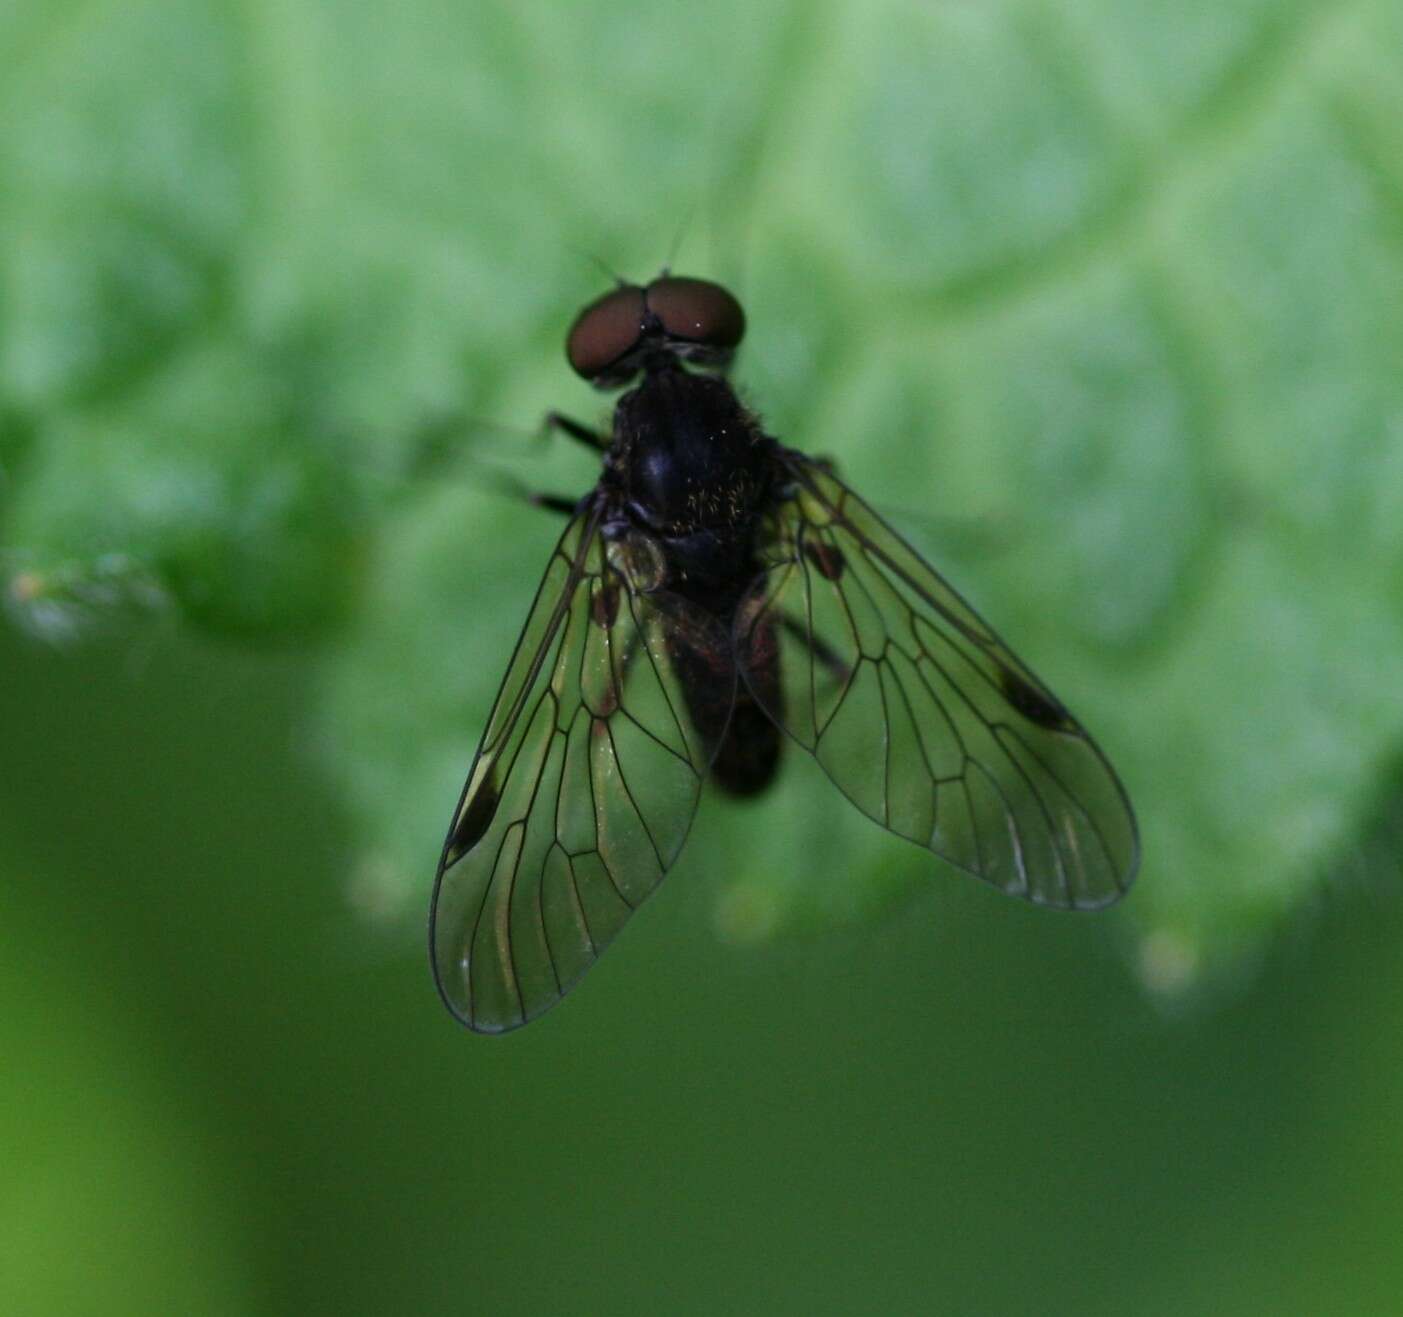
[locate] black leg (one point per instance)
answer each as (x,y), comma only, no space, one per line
(504,482)
(582,433)
(554,503)
(819,648)
(434,454)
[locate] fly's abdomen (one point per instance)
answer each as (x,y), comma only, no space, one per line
(749,756)
(725,707)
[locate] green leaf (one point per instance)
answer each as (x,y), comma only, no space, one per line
(1108,296)
(108,1158)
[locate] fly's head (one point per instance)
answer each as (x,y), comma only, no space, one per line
(686,455)
(643,327)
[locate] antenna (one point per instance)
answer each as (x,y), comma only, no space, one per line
(599,263)
(677,239)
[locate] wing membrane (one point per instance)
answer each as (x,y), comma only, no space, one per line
(922,717)
(582,791)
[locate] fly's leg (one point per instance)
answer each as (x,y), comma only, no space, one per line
(435,453)
(827,560)
(554,503)
(557,423)
(827,656)
(503,482)
(437,442)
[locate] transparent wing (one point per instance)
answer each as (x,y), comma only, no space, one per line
(584,786)
(919,713)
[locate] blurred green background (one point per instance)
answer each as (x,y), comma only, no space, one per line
(1102,298)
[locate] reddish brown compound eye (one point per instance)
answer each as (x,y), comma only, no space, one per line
(697,311)
(606,331)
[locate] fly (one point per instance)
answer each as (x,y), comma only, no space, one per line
(714,595)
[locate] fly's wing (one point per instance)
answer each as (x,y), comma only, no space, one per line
(919,713)
(583,788)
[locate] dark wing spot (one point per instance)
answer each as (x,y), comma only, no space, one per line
(826,558)
(604,605)
(1033,704)
(473,823)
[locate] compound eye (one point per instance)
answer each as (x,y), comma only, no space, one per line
(606,331)
(697,310)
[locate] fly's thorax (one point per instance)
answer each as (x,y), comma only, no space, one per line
(688,454)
